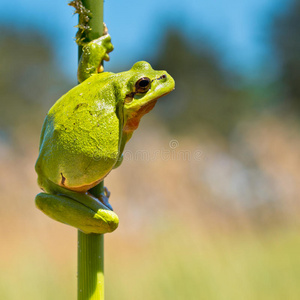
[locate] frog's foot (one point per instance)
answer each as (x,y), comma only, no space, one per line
(105,42)
(93,55)
(104,198)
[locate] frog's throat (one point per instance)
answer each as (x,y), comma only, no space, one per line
(133,120)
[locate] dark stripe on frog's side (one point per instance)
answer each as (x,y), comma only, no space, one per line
(63,179)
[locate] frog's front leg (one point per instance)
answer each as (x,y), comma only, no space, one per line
(80,210)
(93,54)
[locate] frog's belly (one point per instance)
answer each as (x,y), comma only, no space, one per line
(81,174)
(82,188)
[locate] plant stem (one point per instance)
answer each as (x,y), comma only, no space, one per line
(90,282)
(90,267)
(96,21)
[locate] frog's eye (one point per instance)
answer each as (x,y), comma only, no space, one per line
(143,85)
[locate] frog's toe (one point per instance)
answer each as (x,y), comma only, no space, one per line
(104,200)
(106,192)
(100,69)
(106,203)
(109,47)
(106,57)
(105,30)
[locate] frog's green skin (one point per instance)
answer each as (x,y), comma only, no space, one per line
(84,135)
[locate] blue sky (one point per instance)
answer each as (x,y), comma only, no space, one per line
(238,28)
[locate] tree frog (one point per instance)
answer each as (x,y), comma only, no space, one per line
(84,135)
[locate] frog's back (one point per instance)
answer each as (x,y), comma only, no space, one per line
(80,138)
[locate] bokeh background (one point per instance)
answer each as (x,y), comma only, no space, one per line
(208,192)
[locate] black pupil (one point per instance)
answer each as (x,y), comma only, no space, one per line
(143,83)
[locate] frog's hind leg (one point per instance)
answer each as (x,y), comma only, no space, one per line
(85,214)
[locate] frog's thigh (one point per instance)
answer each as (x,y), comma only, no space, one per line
(71,212)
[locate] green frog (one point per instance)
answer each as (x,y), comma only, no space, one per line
(84,135)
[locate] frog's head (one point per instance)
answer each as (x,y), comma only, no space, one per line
(144,87)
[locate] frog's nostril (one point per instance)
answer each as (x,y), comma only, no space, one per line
(164,76)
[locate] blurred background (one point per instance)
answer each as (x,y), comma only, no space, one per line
(208,191)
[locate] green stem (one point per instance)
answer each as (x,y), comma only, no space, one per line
(90,282)
(96,21)
(90,266)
